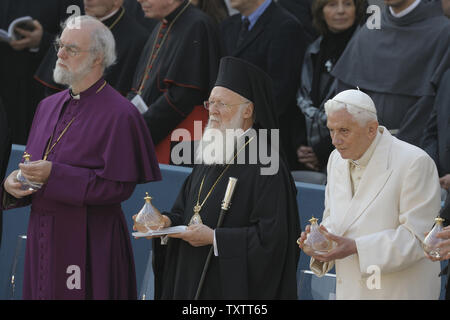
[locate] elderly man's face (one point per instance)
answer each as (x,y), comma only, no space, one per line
(70,69)
(225,110)
(100,8)
(350,139)
(157,9)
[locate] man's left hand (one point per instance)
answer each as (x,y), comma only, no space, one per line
(197,235)
(343,248)
(30,40)
(36,171)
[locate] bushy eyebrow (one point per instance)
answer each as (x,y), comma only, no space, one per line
(70,45)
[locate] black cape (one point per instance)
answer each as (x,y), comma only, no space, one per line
(399,66)
(19,91)
(183,71)
(257,247)
(134,10)
(130,39)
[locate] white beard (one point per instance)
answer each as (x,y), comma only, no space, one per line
(67,77)
(218,146)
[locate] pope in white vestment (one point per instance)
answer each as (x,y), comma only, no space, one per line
(381,197)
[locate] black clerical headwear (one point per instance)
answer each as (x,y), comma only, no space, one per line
(252,83)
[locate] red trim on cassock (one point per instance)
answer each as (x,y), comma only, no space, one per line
(199,113)
(46,84)
(173,106)
(183,85)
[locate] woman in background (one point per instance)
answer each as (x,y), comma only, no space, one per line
(336,21)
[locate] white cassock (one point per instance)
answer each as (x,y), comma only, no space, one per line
(395,203)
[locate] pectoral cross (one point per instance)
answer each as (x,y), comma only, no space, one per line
(328,65)
(196,219)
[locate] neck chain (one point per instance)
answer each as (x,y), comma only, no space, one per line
(154,54)
(196,219)
(50,148)
(118,18)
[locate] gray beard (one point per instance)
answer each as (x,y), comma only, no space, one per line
(62,76)
(218,146)
(67,77)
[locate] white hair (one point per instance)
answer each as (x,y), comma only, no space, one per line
(102,40)
(361,115)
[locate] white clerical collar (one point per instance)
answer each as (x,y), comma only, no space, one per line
(405,11)
(74,96)
(109,15)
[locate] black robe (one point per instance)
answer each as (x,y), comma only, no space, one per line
(183,71)
(257,247)
(18,89)
(130,39)
(399,66)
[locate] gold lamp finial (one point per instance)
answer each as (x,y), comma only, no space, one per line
(313,220)
(147,198)
(439,220)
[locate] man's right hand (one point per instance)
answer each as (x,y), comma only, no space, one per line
(14,187)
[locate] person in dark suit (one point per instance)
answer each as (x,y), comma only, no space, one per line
(436,141)
(5,150)
(301,9)
(269,37)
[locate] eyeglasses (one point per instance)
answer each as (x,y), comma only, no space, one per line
(71,50)
(221,105)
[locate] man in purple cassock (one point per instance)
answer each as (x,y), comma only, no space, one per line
(95,147)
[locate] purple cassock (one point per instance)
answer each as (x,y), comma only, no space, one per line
(78,244)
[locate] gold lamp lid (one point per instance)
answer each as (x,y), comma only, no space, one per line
(26,156)
(439,220)
(147,198)
(313,220)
